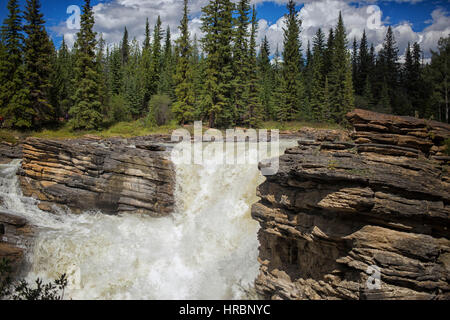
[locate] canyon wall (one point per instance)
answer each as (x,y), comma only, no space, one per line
(340,215)
(112,175)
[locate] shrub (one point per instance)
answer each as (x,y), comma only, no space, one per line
(159,110)
(116,111)
(23,291)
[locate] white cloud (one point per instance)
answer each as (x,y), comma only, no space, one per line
(111,18)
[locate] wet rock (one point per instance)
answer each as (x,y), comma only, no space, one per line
(336,209)
(15,237)
(10,151)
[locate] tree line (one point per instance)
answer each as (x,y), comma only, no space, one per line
(225,79)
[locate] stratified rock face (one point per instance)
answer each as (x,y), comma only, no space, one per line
(337,211)
(15,232)
(115,175)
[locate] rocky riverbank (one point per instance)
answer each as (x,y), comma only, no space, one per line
(337,211)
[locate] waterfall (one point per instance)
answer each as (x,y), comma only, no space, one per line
(207,249)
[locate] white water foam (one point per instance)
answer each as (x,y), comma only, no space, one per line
(207,249)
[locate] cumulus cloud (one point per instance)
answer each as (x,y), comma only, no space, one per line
(111,17)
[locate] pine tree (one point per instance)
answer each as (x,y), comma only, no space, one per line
(85,112)
(147,36)
(156,60)
(183,108)
(101,62)
(388,67)
(254,115)
(217,25)
(115,71)
(38,55)
(355,63)
(365,64)
(278,88)
(62,81)
(266,76)
(328,54)
(440,78)
(133,91)
(340,78)
(240,61)
(167,69)
(384,103)
(292,61)
(125,47)
(367,93)
(14,104)
(146,69)
(317,96)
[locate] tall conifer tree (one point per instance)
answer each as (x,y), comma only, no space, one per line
(85,112)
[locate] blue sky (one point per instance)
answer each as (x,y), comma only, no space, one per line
(415,20)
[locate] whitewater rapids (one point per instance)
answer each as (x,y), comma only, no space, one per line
(207,249)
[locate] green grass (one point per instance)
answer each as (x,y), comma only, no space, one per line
(11,136)
(140,128)
(122,129)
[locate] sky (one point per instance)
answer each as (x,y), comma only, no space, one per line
(422,21)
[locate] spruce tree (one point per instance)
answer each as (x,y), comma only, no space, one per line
(62,81)
(156,59)
(364,66)
(115,71)
(388,67)
(217,25)
(132,84)
(85,112)
(266,76)
(277,85)
(317,95)
(14,104)
(292,60)
(328,54)
(254,113)
(147,36)
(146,69)
(355,62)
(167,68)
(125,47)
(38,56)
(240,61)
(183,108)
(340,78)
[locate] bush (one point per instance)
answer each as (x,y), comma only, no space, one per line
(23,291)
(159,110)
(117,110)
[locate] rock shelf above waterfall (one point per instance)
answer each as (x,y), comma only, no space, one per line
(337,210)
(111,175)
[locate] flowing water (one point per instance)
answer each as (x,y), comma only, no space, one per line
(207,249)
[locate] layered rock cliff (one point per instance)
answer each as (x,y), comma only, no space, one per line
(112,175)
(340,215)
